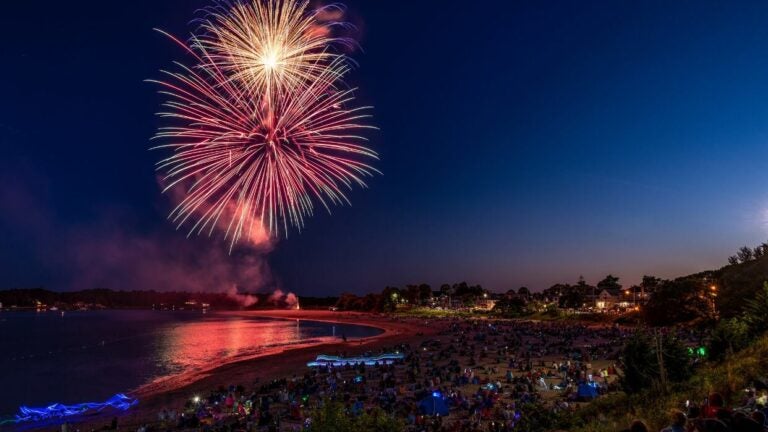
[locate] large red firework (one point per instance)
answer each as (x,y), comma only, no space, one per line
(254,151)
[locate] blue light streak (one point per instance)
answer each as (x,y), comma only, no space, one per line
(56,411)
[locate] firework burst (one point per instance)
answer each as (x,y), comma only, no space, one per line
(272,46)
(252,150)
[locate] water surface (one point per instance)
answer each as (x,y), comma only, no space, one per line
(89,356)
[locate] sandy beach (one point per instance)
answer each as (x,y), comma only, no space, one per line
(286,362)
(453,357)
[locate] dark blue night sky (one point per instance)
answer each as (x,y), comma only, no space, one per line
(522,143)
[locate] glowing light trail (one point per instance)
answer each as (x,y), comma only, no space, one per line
(56,411)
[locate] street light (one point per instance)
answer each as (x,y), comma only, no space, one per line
(634,298)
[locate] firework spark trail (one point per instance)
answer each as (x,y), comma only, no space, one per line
(271,46)
(254,144)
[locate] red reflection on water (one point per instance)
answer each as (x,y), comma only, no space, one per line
(186,351)
(196,345)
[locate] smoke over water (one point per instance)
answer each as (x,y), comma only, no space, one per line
(114,252)
(164,261)
(245,300)
(289,299)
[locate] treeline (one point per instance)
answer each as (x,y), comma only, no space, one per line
(720,296)
(414,295)
(113,299)
(30,298)
(725,294)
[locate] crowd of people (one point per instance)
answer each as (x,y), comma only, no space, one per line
(474,375)
(483,374)
(714,416)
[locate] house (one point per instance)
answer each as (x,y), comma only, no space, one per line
(485,303)
(608,299)
(605,300)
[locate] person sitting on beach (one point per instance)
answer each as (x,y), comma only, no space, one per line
(714,404)
(637,426)
(678,422)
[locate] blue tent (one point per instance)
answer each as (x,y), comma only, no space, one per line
(432,405)
(587,391)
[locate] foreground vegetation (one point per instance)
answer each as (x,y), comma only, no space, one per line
(728,377)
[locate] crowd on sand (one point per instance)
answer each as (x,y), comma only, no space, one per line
(475,375)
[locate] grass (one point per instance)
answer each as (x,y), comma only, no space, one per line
(729,378)
(424,312)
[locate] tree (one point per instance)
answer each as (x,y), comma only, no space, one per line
(756,312)
(571,299)
(510,307)
(389,298)
(650,283)
(729,336)
(745,254)
(468,294)
(412,294)
(556,290)
(610,282)
(371,302)
(348,301)
(524,293)
(678,301)
(733,260)
(425,293)
(677,361)
(640,361)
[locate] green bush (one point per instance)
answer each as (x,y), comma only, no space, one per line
(730,335)
(641,366)
(333,417)
(756,312)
